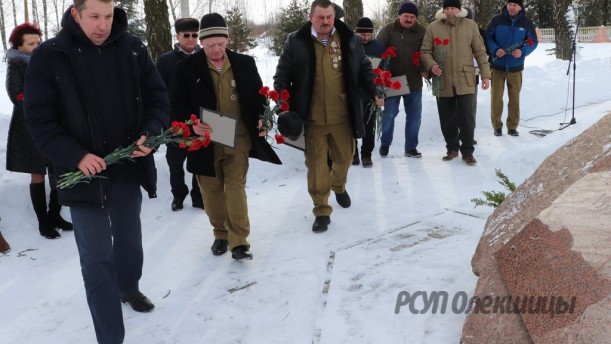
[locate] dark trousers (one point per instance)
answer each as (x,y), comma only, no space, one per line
(369,135)
(109,242)
(457,122)
(176,158)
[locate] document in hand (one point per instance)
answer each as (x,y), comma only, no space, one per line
(223,127)
(403,90)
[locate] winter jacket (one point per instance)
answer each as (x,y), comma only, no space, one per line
(194,89)
(81,98)
(407,42)
(21,153)
(464,43)
(166,64)
(296,68)
(504,32)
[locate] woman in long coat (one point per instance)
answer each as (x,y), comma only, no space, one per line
(21,154)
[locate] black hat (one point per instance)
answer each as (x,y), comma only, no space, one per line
(408,7)
(364,25)
(213,25)
(519,2)
(186,25)
(339,11)
(451,3)
(290,125)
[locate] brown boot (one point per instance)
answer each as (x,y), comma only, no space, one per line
(4,246)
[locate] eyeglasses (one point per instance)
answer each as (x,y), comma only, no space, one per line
(187,35)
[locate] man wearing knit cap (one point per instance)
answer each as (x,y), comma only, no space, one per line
(186,35)
(373,48)
(324,68)
(450,45)
(221,80)
(511,37)
(406,34)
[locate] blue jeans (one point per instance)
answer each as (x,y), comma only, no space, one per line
(412,103)
(105,236)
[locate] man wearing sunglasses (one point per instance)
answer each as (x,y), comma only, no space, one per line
(187,37)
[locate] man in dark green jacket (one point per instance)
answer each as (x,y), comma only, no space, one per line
(323,66)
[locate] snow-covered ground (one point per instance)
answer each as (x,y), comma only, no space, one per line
(411,228)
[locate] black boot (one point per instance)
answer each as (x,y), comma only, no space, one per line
(39,202)
(55,217)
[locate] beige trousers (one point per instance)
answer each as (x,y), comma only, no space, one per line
(514,86)
(225,197)
(321,142)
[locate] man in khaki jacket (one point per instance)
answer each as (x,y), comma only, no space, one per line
(448,49)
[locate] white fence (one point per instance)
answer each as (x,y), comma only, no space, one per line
(584,34)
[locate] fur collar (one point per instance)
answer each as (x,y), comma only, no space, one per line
(440,15)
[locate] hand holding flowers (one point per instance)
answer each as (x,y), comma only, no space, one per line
(439,58)
(267,120)
(514,49)
(90,165)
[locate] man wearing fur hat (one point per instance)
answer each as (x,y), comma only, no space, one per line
(406,34)
(186,35)
(459,41)
(509,30)
(323,66)
(221,80)
(373,48)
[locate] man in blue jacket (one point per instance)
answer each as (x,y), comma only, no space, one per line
(89,90)
(510,37)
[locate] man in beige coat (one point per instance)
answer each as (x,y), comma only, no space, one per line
(455,41)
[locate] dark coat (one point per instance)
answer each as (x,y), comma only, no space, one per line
(81,98)
(195,89)
(166,64)
(296,68)
(21,153)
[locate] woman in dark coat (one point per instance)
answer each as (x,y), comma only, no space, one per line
(21,154)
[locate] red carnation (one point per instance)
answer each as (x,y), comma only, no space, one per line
(437,41)
(264,90)
(378,81)
(386,75)
(194,119)
(284,95)
(273,95)
(279,139)
(284,106)
(396,85)
(388,83)
(377,71)
(528,41)
(446,41)
(195,145)
(384,55)
(20,96)
(206,141)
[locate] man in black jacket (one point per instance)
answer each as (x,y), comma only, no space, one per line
(91,89)
(221,80)
(323,66)
(186,35)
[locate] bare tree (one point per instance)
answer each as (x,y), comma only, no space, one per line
(354,12)
(184,8)
(26,16)
(564,36)
(45,18)
(2,25)
(158,31)
(14,12)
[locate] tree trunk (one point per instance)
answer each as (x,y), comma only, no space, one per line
(26,16)
(14,12)
(563,36)
(354,12)
(3,29)
(158,32)
(45,18)
(184,9)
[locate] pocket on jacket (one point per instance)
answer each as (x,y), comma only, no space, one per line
(468,73)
